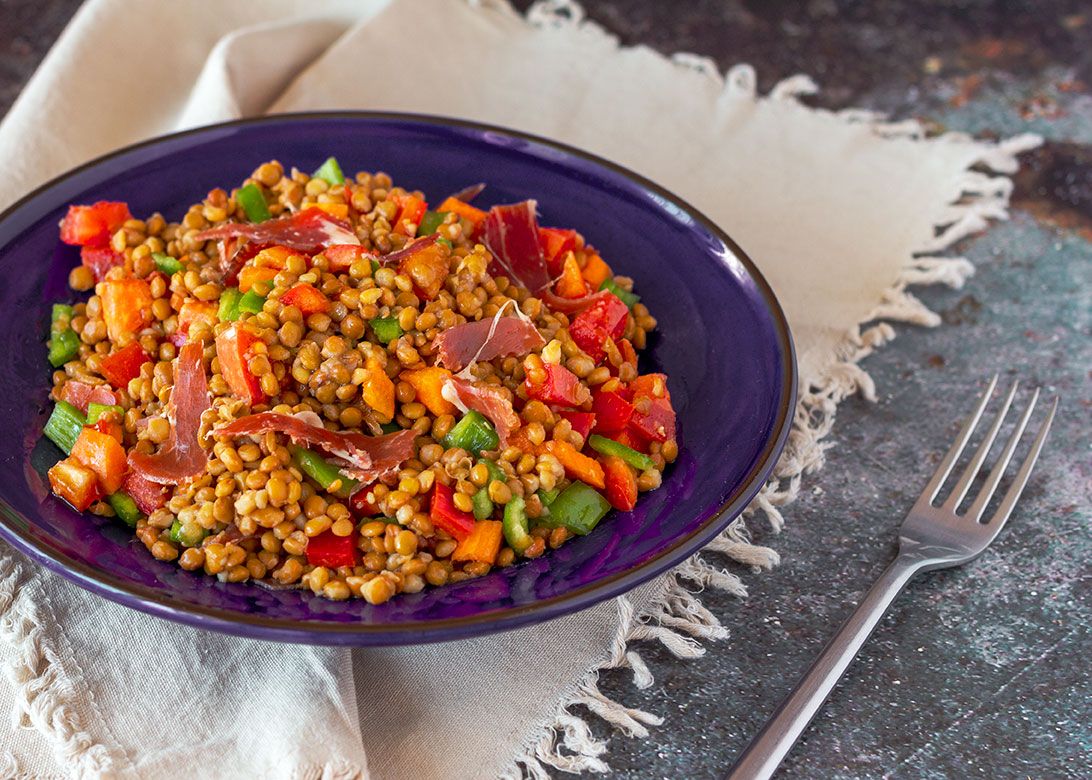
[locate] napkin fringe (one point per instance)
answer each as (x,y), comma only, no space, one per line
(677,618)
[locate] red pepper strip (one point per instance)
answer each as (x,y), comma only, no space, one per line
(329,549)
(124,365)
(561,387)
(444,514)
(612,412)
(621,483)
(363,503)
(605,319)
(148,495)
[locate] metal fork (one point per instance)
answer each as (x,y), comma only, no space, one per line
(931,537)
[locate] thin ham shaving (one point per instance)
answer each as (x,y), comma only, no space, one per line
(408,250)
(467,194)
(572,305)
(80,394)
(366,458)
(487,400)
(511,234)
(464,345)
(181,457)
(308,231)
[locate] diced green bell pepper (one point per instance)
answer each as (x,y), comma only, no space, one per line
(63,347)
(95,411)
(391,427)
(446,242)
(330,172)
(605,446)
(430,222)
(253,203)
(323,472)
(386,329)
(473,433)
(251,302)
(515,525)
(547,496)
(483,504)
(167,264)
(579,508)
(64,425)
(630,299)
(60,317)
(188,535)
(229,304)
(125,508)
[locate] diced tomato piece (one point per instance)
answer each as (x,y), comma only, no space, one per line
(329,549)
(193,311)
(341,256)
(582,422)
(120,367)
(307,299)
(126,306)
(410,210)
(250,275)
(630,437)
(606,319)
(556,243)
(363,503)
(658,423)
(571,284)
(444,514)
(148,495)
(75,483)
(474,216)
(612,411)
(428,270)
(561,387)
(234,349)
(100,259)
(80,394)
(104,455)
(93,225)
(621,483)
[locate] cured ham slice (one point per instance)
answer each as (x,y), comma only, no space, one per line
(462,345)
(308,231)
(488,400)
(80,394)
(181,456)
(511,234)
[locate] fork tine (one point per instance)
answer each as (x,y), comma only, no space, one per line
(1017,486)
(945,467)
(969,473)
(998,470)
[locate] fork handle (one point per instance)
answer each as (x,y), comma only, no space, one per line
(769,748)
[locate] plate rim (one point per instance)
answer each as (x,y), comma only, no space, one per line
(162,605)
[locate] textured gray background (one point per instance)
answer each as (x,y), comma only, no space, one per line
(981,671)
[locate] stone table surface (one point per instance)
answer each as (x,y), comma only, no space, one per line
(979,671)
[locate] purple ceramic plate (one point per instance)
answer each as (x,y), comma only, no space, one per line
(722,340)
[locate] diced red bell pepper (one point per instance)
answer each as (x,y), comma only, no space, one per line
(561,387)
(124,365)
(75,483)
(329,549)
(104,455)
(341,256)
(148,495)
(307,299)
(444,514)
(556,243)
(630,437)
(80,394)
(100,259)
(582,422)
(363,503)
(621,483)
(428,269)
(410,210)
(234,349)
(653,416)
(93,225)
(606,319)
(612,411)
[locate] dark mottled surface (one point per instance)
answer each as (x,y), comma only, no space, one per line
(981,671)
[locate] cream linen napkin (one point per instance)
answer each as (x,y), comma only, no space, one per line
(841,211)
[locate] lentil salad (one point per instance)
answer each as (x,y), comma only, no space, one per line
(320,382)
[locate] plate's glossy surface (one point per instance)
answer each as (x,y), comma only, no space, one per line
(722,340)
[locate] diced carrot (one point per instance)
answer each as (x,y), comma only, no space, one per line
(234,350)
(621,483)
(339,210)
(482,545)
(193,311)
(429,384)
(126,306)
(577,465)
(110,424)
(123,366)
(274,257)
(411,209)
(651,385)
(307,299)
(474,216)
(252,274)
(428,269)
(377,390)
(571,284)
(104,455)
(75,483)
(596,271)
